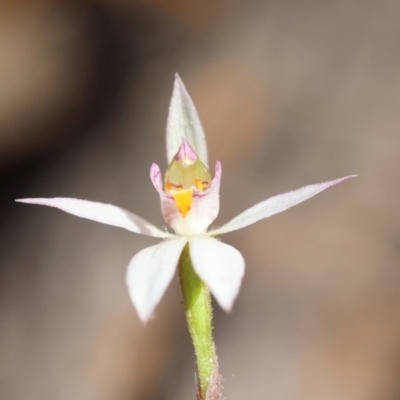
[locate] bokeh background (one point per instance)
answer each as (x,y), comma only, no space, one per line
(290,93)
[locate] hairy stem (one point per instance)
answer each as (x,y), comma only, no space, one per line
(197,303)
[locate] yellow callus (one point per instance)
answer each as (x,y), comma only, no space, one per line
(183,200)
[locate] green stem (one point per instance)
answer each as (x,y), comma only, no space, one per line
(197,302)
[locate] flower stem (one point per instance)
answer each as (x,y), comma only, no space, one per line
(197,303)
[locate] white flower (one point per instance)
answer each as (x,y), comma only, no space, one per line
(189,203)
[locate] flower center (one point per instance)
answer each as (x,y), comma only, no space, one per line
(186,175)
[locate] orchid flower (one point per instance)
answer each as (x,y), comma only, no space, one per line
(189,203)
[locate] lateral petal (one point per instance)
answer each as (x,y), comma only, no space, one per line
(184,122)
(149,274)
(220,266)
(275,205)
(104,213)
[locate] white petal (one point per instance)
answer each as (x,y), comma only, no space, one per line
(203,210)
(184,122)
(104,213)
(275,205)
(220,266)
(149,274)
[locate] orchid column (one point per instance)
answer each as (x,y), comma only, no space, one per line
(189,199)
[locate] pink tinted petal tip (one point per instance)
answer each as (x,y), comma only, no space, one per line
(155,176)
(218,171)
(185,152)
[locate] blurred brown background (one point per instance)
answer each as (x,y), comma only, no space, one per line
(290,93)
